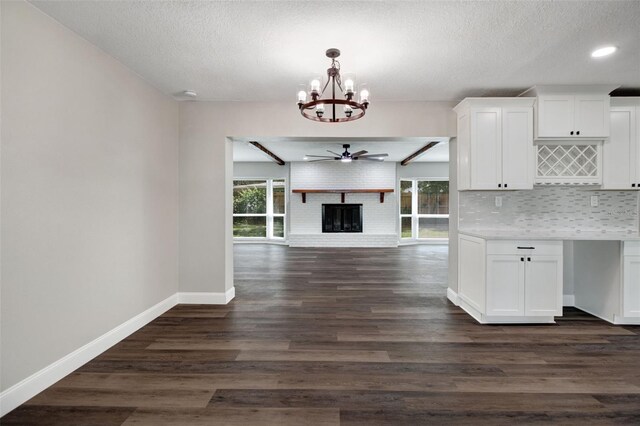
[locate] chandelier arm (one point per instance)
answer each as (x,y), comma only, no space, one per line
(333,96)
(325,86)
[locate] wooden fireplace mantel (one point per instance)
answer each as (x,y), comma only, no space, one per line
(304,192)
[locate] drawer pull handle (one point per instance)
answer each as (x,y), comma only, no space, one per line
(526,248)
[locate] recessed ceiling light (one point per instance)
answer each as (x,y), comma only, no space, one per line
(603,51)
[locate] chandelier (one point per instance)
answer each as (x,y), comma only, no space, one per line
(316,108)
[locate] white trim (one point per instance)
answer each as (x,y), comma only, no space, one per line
(452,296)
(278,241)
(568,300)
(424,241)
(486,319)
(26,389)
(619,320)
(207,298)
(269,215)
(39,381)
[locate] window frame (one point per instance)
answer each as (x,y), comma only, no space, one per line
(414,215)
(269,215)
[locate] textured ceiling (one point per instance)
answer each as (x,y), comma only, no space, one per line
(241,50)
(294,149)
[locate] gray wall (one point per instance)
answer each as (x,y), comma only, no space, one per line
(453,214)
(260,169)
(423,170)
(206,171)
(89,193)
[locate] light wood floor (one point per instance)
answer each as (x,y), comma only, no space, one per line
(351,337)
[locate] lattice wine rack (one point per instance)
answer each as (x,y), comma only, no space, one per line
(569,163)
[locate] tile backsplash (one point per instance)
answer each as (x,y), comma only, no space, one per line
(551,208)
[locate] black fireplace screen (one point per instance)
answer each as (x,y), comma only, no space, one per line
(342,218)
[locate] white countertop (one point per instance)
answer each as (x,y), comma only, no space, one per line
(489,234)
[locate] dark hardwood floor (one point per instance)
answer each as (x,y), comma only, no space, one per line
(351,337)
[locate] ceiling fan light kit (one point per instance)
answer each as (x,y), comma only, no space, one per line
(316,108)
(346,156)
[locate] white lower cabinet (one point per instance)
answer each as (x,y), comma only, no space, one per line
(631,286)
(505,285)
(523,285)
(543,285)
(522,282)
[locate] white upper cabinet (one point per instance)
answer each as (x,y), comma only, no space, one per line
(573,116)
(591,116)
(571,112)
(495,143)
(621,152)
(555,116)
(486,147)
(517,147)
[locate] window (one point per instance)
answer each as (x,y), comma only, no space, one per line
(259,208)
(424,209)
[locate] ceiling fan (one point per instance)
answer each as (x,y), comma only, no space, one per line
(346,156)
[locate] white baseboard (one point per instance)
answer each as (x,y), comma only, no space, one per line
(36,383)
(453,297)
(206,298)
(26,389)
(568,300)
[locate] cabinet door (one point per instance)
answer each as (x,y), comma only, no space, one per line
(543,286)
(486,164)
(619,152)
(555,116)
(631,293)
(505,285)
(464,153)
(591,116)
(517,148)
(635,151)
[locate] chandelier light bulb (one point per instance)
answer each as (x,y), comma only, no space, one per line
(364,95)
(302,96)
(315,85)
(349,83)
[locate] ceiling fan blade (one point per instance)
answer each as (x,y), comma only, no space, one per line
(321,156)
(359,153)
(334,153)
(369,158)
(373,155)
(322,159)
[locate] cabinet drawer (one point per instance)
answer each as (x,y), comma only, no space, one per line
(632,248)
(524,247)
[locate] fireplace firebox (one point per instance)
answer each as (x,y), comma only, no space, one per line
(342,218)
